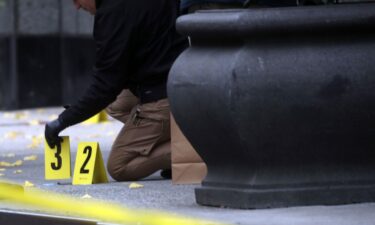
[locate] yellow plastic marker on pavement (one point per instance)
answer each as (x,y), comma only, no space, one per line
(57,161)
(89,167)
(98,118)
(91,209)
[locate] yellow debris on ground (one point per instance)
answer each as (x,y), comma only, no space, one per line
(36,141)
(39,111)
(34,122)
(17,163)
(30,158)
(53,117)
(5,164)
(86,196)
(28,184)
(17,171)
(21,115)
(135,186)
(12,135)
(8,164)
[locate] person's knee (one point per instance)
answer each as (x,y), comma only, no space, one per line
(121,172)
(114,170)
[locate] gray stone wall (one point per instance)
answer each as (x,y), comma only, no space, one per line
(6,17)
(43,43)
(75,22)
(44,17)
(38,17)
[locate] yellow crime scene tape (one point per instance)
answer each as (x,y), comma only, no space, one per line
(90,209)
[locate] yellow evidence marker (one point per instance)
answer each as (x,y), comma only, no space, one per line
(89,167)
(57,161)
(98,118)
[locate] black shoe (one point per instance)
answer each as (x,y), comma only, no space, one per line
(166,174)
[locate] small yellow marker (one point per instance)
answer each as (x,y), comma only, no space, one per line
(89,167)
(57,161)
(98,118)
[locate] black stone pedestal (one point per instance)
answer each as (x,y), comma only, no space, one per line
(280,104)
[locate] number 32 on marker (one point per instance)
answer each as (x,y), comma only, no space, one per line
(57,161)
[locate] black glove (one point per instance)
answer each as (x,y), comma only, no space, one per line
(52,131)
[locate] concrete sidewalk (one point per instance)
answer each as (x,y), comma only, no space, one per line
(21,135)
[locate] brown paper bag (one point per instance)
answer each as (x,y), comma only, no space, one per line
(187,166)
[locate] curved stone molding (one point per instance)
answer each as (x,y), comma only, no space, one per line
(280,104)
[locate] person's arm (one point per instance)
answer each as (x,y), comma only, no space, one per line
(114,35)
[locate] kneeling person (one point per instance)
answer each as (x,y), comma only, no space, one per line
(136,45)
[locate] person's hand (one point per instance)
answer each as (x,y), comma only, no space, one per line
(51,133)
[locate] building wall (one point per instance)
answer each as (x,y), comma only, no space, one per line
(46,53)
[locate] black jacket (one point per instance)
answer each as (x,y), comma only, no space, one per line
(136,45)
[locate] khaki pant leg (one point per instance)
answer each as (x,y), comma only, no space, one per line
(121,108)
(143,145)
